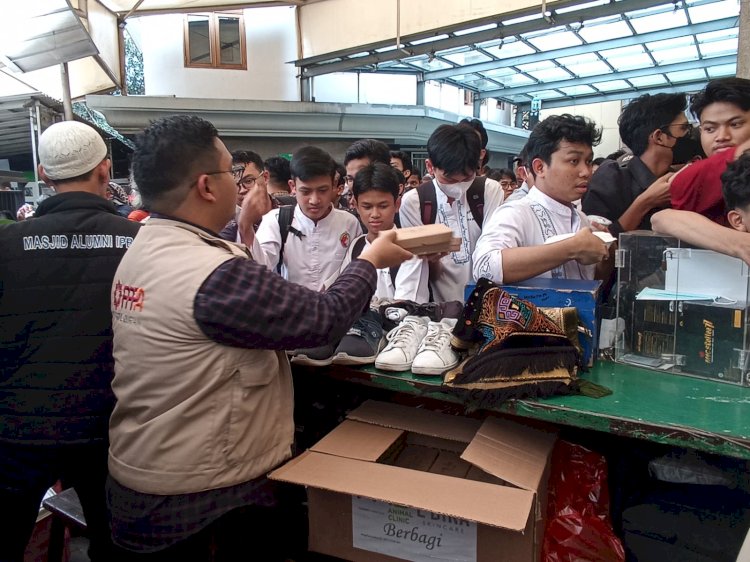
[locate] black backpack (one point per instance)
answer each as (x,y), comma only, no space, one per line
(474,196)
(286,214)
(359,245)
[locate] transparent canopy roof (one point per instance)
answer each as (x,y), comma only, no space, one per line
(581,52)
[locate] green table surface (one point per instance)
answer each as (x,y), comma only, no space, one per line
(660,407)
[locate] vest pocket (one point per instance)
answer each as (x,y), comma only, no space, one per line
(253,409)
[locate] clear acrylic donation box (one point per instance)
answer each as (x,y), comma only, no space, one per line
(684,310)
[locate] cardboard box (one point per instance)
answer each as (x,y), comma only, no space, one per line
(398,483)
(553,293)
(427,239)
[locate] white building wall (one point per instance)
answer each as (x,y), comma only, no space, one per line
(604,115)
(271,44)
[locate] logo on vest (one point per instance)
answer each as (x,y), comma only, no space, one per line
(126,298)
(345,239)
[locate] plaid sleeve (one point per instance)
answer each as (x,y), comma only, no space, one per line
(242,304)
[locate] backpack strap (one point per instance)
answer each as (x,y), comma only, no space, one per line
(394,273)
(286,214)
(475,198)
(427,202)
(359,245)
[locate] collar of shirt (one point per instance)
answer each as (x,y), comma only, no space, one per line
(308,223)
(640,172)
(567,212)
(155,215)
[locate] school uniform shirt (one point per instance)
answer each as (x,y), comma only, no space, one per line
(519,193)
(450,275)
(528,222)
(316,256)
(411,280)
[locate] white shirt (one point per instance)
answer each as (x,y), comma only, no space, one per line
(315,257)
(519,193)
(411,280)
(519,224)
(449,276)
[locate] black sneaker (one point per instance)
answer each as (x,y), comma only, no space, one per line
(363,341)
(314,356)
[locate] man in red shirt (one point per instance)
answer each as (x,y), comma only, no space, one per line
(723,109)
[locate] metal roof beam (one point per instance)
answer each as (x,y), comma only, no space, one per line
(625,75)
(716,25)
(679,88)
(318,68)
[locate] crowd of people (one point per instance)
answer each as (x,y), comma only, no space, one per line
(146,362)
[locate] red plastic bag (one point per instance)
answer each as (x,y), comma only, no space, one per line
(578,525)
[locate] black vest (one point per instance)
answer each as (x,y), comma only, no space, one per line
(56,365)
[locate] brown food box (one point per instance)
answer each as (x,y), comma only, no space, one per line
(427,239)
(398,483)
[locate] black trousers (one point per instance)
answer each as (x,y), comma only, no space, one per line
(244,534)
(27,471)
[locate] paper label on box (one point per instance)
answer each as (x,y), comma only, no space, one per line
(410,533)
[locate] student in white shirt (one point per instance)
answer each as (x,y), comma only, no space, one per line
(511,248)
(319,235)
(376,194)
(453,152)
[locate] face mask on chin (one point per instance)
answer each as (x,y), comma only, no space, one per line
(454,190)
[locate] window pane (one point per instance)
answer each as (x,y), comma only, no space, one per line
(229,40)
(199,44)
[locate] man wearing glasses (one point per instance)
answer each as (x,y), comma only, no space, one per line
(723,110)
(247,171)
(629,192)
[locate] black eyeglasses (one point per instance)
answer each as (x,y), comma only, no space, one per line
(247,182)
(686,129)
(236,172)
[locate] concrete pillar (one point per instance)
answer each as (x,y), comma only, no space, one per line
(420,92)
(743,50)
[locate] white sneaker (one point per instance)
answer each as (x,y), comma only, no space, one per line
(435,355)
(403,343)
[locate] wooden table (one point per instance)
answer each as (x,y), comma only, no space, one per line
(659,407)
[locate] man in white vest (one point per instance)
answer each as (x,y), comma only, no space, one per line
(203,386)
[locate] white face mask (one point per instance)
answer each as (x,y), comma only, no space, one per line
(454,190)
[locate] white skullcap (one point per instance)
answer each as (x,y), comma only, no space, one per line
(69,149)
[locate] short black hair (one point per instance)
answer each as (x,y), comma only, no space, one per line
(375,150)
(616,154)
(168,153)
(247,157)
(729,90)
(341,175)
(644,115)
(454,148)
(545,139)
(598,161)
(377,177)
(478,126)
(735,183)
(312,162)
(497,174)
(404,157)
(278,170)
